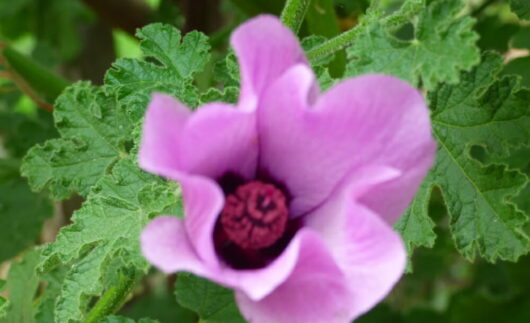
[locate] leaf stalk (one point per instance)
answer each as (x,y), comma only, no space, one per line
(293,13)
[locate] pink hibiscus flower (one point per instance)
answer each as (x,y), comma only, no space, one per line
(289,196)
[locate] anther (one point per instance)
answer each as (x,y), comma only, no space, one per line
(255,216)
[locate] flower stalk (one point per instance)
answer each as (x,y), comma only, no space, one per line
(293,13)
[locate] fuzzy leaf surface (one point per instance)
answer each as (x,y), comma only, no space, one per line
(105,235)
(495,114)
(173,60)
(443,44)
(93,131)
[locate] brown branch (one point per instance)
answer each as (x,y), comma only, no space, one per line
(26,89)
(201,15)
(127,15)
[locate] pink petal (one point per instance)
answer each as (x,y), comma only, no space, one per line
(370,254)
(219,138)
(216,139)
(314,292)
(163,123)
(258,283)
(265,49)
(368,120)
(203,201)
(165,244)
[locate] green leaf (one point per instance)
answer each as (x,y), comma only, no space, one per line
(519,66)
(159,304)
(415,226)
(94,131)
(494,114)
(121,319)
(104,236)
(22,211)
(3,307)
(213,303)
(22,284)
(443,44)
(3,301)
(45,304)
(495,34)
(230,95)
(521,8)
(522,38)
(21,132)
(177,60)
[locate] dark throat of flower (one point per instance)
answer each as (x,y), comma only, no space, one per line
(254,226)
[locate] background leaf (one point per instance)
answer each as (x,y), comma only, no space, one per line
(213,303)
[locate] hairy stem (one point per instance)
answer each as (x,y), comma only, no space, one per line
(333,45)
(293,13)
(113,299)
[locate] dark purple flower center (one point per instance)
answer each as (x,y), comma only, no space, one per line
(255,216)
(254,226)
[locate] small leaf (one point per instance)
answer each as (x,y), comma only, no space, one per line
(178,59)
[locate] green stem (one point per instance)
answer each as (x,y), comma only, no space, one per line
(113,299)
(294,12)
(333,45)
(33,79)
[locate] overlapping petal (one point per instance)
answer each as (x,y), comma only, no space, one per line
(194,150)
(215,139)
(366,249)
(167,244)
(368,120)
(265,49)
(316,290)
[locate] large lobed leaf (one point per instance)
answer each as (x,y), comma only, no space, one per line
(93,129)
(494,114)
(443,44)
(106,228)
(93,157)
